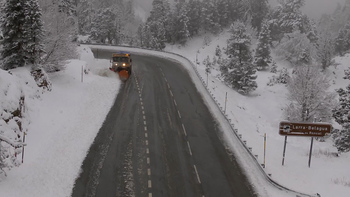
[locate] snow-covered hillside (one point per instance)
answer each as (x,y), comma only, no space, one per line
(261,112)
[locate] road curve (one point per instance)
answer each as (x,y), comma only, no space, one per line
(159,139)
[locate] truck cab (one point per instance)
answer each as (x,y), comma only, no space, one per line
(121,61)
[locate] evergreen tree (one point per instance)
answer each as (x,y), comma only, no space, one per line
(194,17)
(106,30)
(223,8)
(210,17)
(287,17)
(262,53)
(180,24)
(159,24)
(341,114)
(258,10)
(67,7)
(240,71)
(35,33)
(14,24)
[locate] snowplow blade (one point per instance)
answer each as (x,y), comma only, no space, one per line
(123,75)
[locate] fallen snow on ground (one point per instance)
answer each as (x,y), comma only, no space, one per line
(63,125)
(64,122)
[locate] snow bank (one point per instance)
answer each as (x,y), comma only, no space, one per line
(64,123)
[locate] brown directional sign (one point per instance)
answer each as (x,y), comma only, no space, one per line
(304,129)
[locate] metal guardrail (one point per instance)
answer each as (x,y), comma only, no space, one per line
(235,131)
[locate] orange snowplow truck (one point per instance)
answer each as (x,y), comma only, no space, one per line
(122,64)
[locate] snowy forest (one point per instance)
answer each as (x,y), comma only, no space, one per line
(45,33)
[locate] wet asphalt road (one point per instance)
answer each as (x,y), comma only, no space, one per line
(159,139)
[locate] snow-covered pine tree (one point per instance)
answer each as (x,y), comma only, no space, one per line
(240,71)
(223,8)
(194,16)
(13,25)
(210,17)
(159,24)
(262,57)
(341,114)
(181,23)
(288,17)
(67,7)
(308,95)
(258,10)
(104,31)
(35,33)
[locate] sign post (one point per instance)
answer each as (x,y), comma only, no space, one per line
(284,149)
(312,142)
(303,130)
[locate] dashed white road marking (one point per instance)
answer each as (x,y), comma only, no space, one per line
(195,169)
(144,122)
(150,195)
(142,107)
(183,127)
(145,128)
(147,150)
(149,172)
(142,104)
(175,102)
(146,142)
(149,184)
(143,112)
(148,160)
(144,117)
(140,99)
(189,147)
(146,135)
(178,112)
(168,85)
(171,93)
